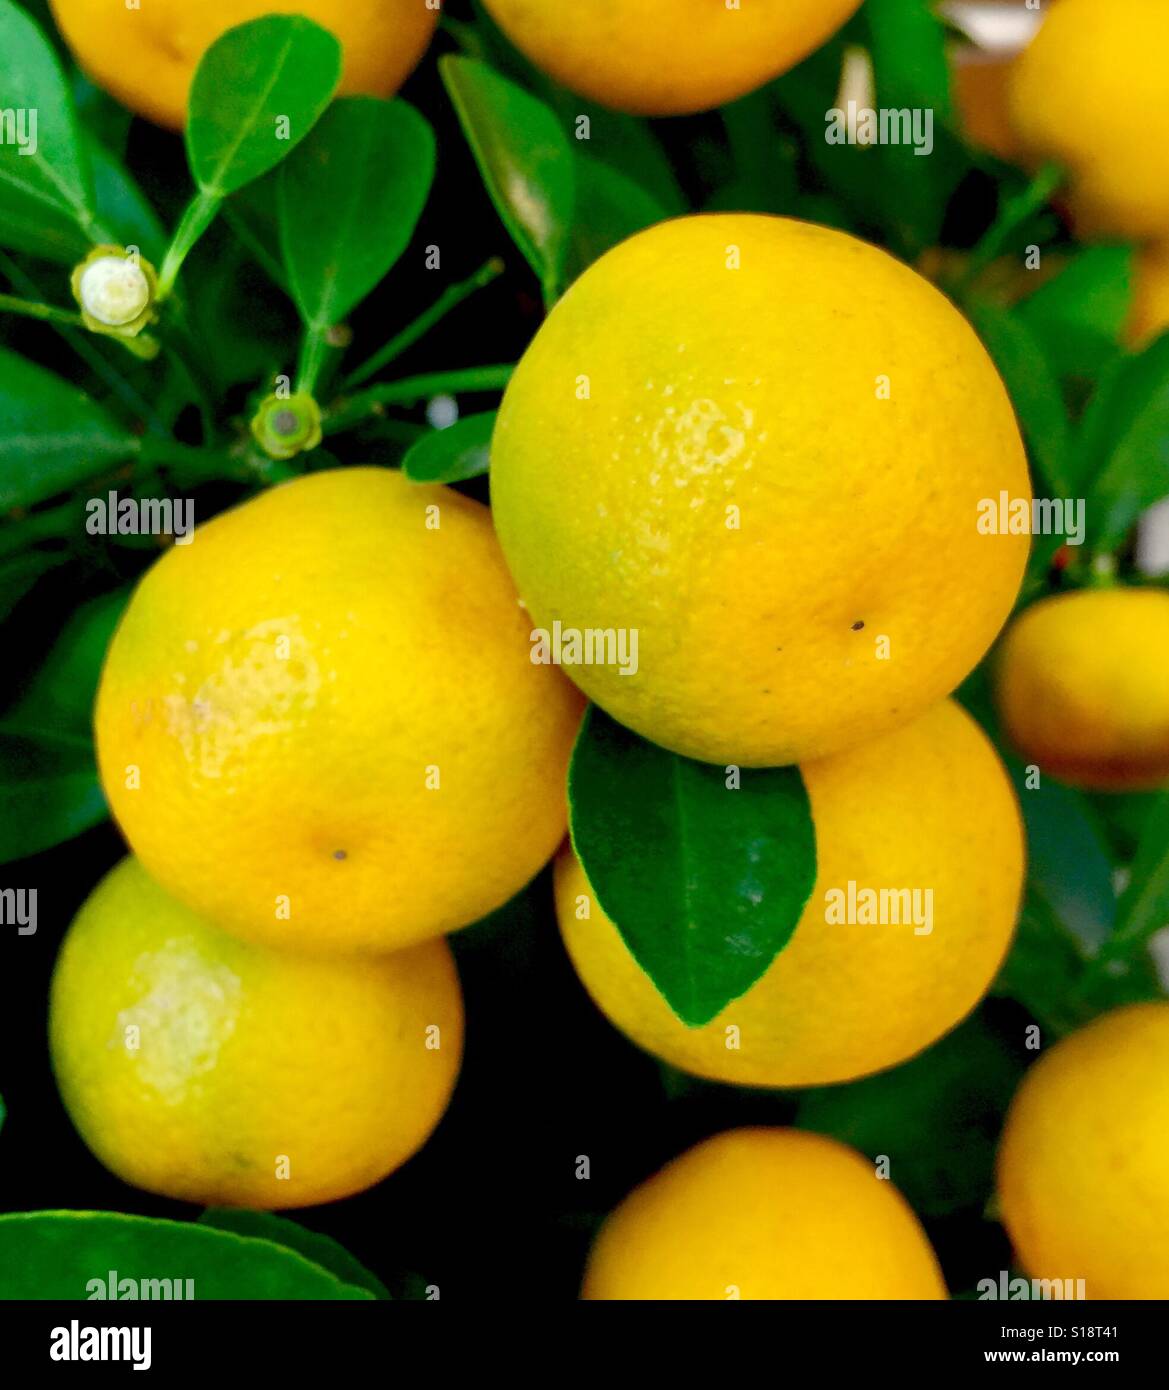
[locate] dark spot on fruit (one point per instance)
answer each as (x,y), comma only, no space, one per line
(856,627)
(340,854)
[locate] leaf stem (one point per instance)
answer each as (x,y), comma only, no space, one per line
(313,350)
(201,212)
(49,313)
(450,299)
(350,411)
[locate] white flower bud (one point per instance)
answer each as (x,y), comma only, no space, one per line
(114,291)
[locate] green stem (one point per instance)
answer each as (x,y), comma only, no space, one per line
(187,465)
(201,212)
(1015,212)
(350,411)
(9,304)
(313,349)
(448,300)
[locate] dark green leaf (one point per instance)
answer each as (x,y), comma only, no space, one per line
(1068,862)
(49,793)
(706,884)
(610,207)
(1144,908)
(320,1249)
(908,45)
(122,205)
(452,455)
(59,697)
(257,93)
(58,1255)
(936,1118)
(41,166)
(525,160)
(1123,455)
(1079,314)
(349,201)
(1034,392)
(18,574)
(52,436)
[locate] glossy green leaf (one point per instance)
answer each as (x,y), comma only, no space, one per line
(705,883)
(1123,454)
(49,792)
(610,207)
(1034,392)
(52,436)
(525,160)
(42,165)
(322,1250)
(461,451)
(1078,315)
(936,1117)
(257,93)
(349,200)
(59,1255)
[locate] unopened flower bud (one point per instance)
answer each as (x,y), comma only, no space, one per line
(115,289)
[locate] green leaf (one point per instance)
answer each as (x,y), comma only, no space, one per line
(19,573)
(1144,907)
(936,1118)
(452,455)
(1034,392)
(907,41)
(52,436)
(322,1250)
(59,698)
(1123,453)
(48,172)
(349,201)
(610,207)
(705,884)
(249,82)
(49,792)
(123,206)
(57,1255)
(1043,969)
(524,158)
(1078,315)
(1068,861)
(908,45)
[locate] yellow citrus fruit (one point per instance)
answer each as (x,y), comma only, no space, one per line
(760,445)
(1149,315)
(1089,93)
(319,724)
(206,1069)
(927,809)
(146,56)
(1082,686)
(764,1214)
(668,57)
(1083,1168)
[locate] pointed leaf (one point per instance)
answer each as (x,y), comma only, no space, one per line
(524,157)
(705,883)
(320,1249)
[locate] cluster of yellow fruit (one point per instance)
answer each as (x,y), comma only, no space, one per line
(761,445)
